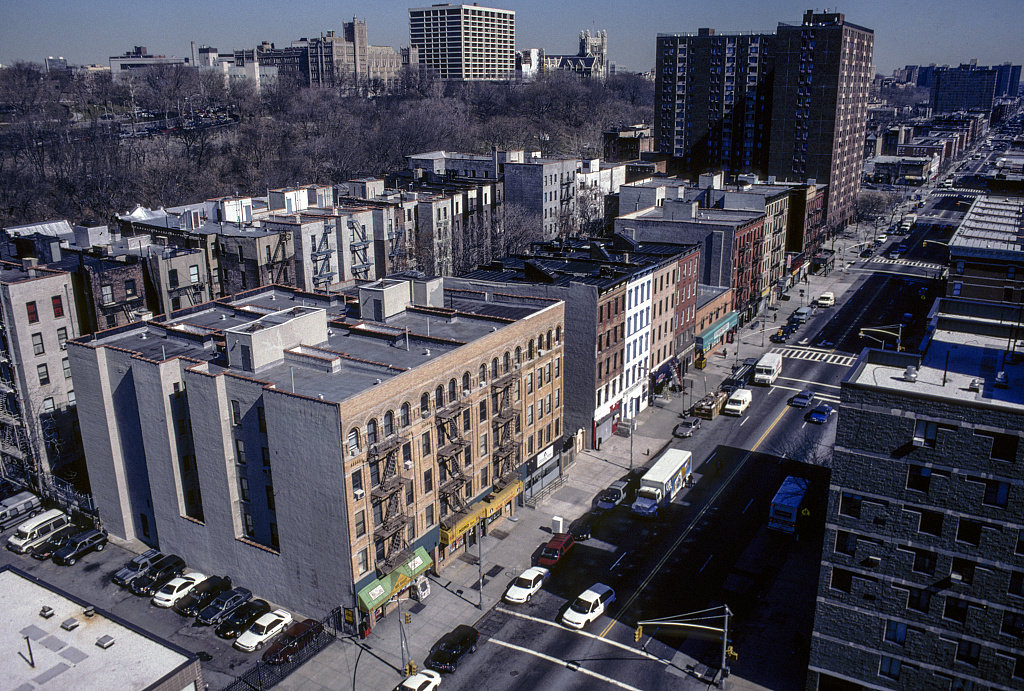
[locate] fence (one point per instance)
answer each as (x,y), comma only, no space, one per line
(264,675)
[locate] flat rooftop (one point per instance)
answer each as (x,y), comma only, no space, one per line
(356,353)
(972,355)
(65,645)
(993,227)
(11,272)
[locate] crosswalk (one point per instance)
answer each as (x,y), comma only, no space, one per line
(906,262)
(815,355)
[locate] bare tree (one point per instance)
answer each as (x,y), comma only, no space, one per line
(515,229)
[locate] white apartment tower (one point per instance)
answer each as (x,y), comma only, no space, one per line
(465,42)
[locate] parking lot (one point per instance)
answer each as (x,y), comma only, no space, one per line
(89,579)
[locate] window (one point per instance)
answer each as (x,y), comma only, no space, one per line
(353,442)
(71,397)
(363,561)
(261,418)
(33,313)
(1019,549)
(58,305)
(247,517)
(996,493)
(389,423)
(37,344)
(371,432)
(426,444)
(529,383)
(428,480)
(919,600)
(62,337)
(404,415)
(107,294)
(44,374)
(111,320)
(193,273)
(889,667)
(483,476)
(1016,584)
(483,444)
(428,515)
(1013,624)
(483,410)
(172,278)
(846,543)
(841,580)
(924,433)
(357,482)
(240,451)
(962,570)
(849,505)
(129,287)
(931,522)
(968,651)
(1004,446)
(236,413)
(956,609)
(969,531)
(265,455)
(924,561)
(896,632)
(918,478)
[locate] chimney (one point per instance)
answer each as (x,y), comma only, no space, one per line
(29,265)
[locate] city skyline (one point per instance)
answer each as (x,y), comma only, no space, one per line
(906,33)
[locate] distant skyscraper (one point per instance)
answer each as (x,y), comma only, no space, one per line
(823,72)
(1007,80)
(966,87)
(465,42)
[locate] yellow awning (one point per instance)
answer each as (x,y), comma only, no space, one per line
(463,525)
(493,502)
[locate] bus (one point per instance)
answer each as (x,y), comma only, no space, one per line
(786,504)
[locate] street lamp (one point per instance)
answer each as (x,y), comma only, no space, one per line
(883,330)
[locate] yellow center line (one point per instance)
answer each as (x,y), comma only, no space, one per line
(696,519)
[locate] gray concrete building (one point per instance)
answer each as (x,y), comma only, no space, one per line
(314,447)
(922,578)
(465,42)
(986,260)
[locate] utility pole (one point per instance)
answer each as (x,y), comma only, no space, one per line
(480,561)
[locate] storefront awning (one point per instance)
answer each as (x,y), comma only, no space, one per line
(494,501)
(380,590)
(463,525)
(714,333)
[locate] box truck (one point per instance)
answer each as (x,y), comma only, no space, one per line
(768,369)
(662,482)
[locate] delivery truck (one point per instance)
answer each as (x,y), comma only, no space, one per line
(768,369)
(662,482)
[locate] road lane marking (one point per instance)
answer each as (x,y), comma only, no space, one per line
(747,506)
(744,421)
(705,563)
(700,514)
(618,560)
(563,663)
(556,625)
(808,381)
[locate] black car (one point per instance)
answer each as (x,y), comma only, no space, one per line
(46,549)
(201,595)
(444,656)
(242,618)
(79,545)
(157,576)
(223,605)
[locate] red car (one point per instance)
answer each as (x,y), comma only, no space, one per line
(294,639)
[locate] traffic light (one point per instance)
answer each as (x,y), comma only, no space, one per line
(408,618)
(731,654)
(638,634)
(410,668)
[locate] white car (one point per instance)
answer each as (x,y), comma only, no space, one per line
(528,583)
(427,680)
(177,588)
(591,604)
(265,628)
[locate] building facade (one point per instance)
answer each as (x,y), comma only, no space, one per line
(986,261)
(465,42)
(967,87)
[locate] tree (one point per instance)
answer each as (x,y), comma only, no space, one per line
(515,229)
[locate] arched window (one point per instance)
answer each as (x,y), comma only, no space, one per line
(389,423)
(371,432)
(507,362)
(353,442)
(558,334)
(424,403)
(439,397)
(483,374)
(519,355)
(465,381)
(452,393)
(405,415)
(529,350)
(548,340)
(494,368)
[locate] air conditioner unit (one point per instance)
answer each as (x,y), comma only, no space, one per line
(408,464)
(64,346)
(465,393)
(424,414)
(358,494)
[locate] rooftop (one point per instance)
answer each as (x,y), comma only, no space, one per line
(971,356)
(992,228)
(11,272)
(66,646)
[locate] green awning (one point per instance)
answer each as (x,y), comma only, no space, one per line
(380,590)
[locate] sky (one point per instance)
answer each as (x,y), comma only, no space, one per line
(906,31)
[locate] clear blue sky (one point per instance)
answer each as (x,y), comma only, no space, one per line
(906,31)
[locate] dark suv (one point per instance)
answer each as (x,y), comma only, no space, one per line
(444,656)
(46,549)
(136,567)
(170,566)
(242,618)
(201,595)
(79,545)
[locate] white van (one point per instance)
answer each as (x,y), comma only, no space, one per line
(768,369)
(738,402)
(34,531)
(14,510)
(827,299)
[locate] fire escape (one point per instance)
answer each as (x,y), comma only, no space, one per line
(323,272)
(390,494)
(396,248)
(358,243)
(450,454)
(278,265)
(508,432)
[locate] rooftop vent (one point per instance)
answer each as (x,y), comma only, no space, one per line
(377,381)
(46,612)
(104,642)
(426,351)
(69,624)
(910,374)
(89,611)
(975,385)
(1002,381)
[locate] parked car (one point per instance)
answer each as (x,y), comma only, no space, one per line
(614,495)
(201,595)
(558,546)
(687,427)
(827,299)
(265,628)
(424,680)
(526,584)
(592,603)
(223,605)
(295,639)
(45,550)
(820,414)
(779,336)
(79,545)
(136,567)
(867,252)
(802,399)
(177,588)
(444,655)
(242,618)
(581,529)
(171,566)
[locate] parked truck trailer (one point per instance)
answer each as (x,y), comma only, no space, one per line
(662,482)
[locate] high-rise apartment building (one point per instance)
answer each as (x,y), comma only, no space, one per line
(465,42)
(713,100)
(967,87)
(823,69)
(922,578)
